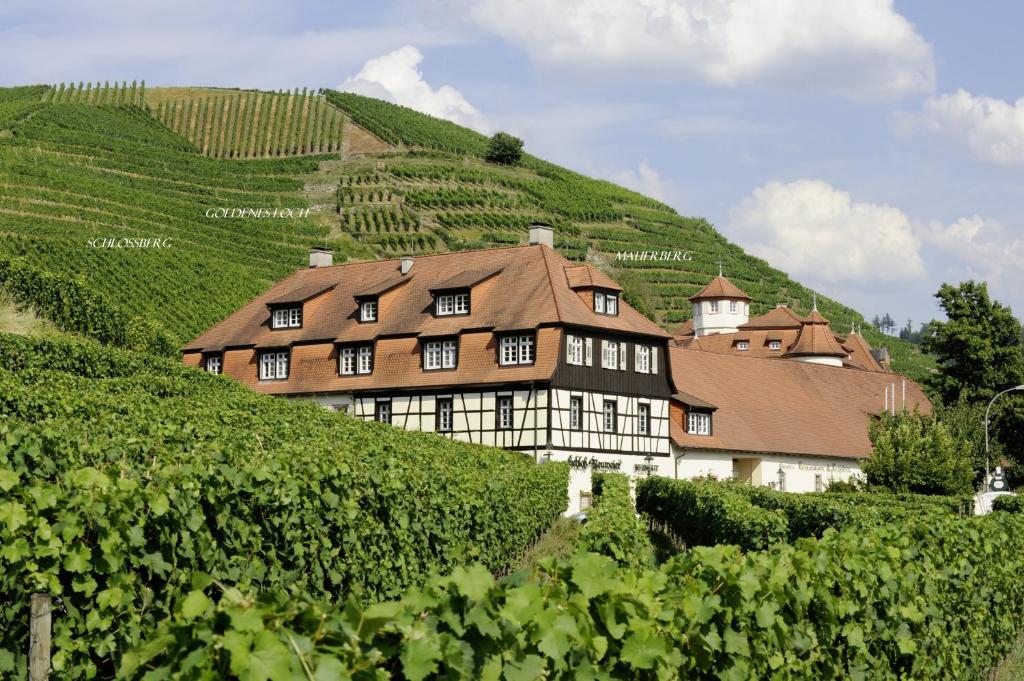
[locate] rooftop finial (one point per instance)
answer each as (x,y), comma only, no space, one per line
(852,328)
(720,267)
(814,300)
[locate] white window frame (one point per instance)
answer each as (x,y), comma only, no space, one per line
(611,304)
(609,354)
(774,345)
(698,423)
(368,311)
(574,350)
(515,350)
(449,354)
(461,303)
(506,412)
(732,306)
(713,306)
(576,413)
(279,319)
(294,317)
(382,408)
(742,345)
(598,302)
(445,305)
(610,417)
(215,364)
(445,414)
(365,360)
(642,359)
(347,361)
(746,309)
(643,419)
(274,365)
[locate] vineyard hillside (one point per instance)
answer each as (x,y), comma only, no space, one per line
(80,163)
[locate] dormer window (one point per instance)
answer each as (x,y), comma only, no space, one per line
(452,304)
(742,345)
(355,359)
(214,364)
(516,350)
(774,345)
(698,423)
(286,318)
(368,310)
(440,354)
(606,303)
(274,365)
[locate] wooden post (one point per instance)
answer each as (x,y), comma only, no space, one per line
(39,641)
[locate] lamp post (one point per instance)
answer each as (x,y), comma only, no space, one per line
(1008,390)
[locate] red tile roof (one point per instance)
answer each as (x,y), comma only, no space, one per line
(816,339)
(785,407)
(588,276)
(720,287)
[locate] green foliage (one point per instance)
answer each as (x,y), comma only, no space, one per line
(922,600)
(705,513)
(916,453)
(81,310)
(612,527)
(91,94)
(851,486)
(979,347)
(253,124)
(128,482)
(76,175)
(1011,503)
(504,149)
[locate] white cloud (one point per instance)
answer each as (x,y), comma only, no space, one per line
(818,233)
(396,78)
(646,180)
(991,128)
(859,48)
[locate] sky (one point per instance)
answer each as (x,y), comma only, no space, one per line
(872,149)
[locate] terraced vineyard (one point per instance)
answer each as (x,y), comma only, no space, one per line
(75,171)
(251,124)
(77,182)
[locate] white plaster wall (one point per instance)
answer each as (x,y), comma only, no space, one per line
(707,322)
(580,479)
(828,361)
(800,471)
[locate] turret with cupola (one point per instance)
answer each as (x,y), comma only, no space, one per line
(720,307)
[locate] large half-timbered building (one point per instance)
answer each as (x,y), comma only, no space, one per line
(513,347)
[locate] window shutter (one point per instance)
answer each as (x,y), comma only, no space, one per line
(654,359)
(589,351)
(636,357)
(622,356)
(604,354)
(568,348)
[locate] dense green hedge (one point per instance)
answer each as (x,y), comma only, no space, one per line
(126,485)
(706,513)
(922,600)
(1009,503)
(612,527)
(75,307)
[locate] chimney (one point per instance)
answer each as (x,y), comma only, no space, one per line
(542,234)
(881,356)
(321,257)
(406,265)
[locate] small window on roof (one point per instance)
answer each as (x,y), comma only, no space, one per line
(774,345)
(742,345)
(368,311)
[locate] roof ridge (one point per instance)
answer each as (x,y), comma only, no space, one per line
(414,257)
(777,362)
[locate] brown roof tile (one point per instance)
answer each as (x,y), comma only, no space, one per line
(588,276)
(785,407)
(720,287)
(816,339)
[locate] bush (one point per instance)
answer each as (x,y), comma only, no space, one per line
(916,453)
(922,600)
(612,527)
(708,513)
(505,149)
(1011,503)
(850,486)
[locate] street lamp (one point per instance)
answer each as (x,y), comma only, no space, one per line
(1008,390)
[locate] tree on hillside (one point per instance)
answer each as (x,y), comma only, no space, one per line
(918,453)
(504,149)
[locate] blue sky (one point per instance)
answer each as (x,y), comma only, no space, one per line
(871,149)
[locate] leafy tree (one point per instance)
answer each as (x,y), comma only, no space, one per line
(504,149)
(918,453)
(979,347)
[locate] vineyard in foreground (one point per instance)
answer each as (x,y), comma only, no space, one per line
(918,599)
(136,473)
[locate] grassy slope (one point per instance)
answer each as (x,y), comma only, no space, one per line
(70,172)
